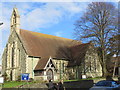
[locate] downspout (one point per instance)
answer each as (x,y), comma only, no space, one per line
(76,72)
(32,68)
(116,61)
(60,69)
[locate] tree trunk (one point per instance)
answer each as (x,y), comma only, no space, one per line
(104,70)
(104,63)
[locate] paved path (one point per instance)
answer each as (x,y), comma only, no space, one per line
(35,85)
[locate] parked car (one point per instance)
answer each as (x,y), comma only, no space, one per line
(106,85)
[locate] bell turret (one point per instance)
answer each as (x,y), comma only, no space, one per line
(15,21)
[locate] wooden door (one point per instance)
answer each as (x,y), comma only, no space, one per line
(50,74)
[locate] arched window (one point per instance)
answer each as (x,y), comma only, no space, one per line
(8,55)
(12,61)
(90,62)
(18,58)
(95,63)
(56,65)
(63,67)
(14,18)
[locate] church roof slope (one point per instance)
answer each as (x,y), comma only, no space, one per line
(41,63)
(43,45)
(78,54)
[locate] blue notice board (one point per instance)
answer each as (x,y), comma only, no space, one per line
(25,76)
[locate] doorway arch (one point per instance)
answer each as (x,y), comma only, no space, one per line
(50,74)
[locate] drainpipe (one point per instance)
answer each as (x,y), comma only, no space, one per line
(60,69)
(32,68)
(76,72)
(116,61)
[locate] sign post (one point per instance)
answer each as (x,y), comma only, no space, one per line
(1,82)
(25,77)
(84,77)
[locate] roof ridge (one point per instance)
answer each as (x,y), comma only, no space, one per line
(81,44)
(47,35)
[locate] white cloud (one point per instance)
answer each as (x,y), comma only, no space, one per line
(50,14)
(39,17)
(36,17)
(61,1)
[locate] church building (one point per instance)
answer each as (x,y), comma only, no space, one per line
(45,56)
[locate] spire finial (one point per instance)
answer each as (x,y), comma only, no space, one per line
(15,6)
(15,20)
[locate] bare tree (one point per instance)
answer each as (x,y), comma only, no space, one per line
(98,24)
(114,48)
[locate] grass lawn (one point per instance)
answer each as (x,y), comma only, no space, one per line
(15,84)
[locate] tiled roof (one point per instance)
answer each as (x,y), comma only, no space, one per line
(43,45)
(78,54)
(41,63)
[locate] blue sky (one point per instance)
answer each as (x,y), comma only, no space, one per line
(54,18)
(50,18)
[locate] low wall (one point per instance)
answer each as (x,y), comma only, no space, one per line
(40,78)
(83,84)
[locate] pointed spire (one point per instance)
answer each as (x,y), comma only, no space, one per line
(15,20)
(15,10)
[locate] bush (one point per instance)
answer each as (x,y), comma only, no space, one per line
(19,78)
(31,79)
